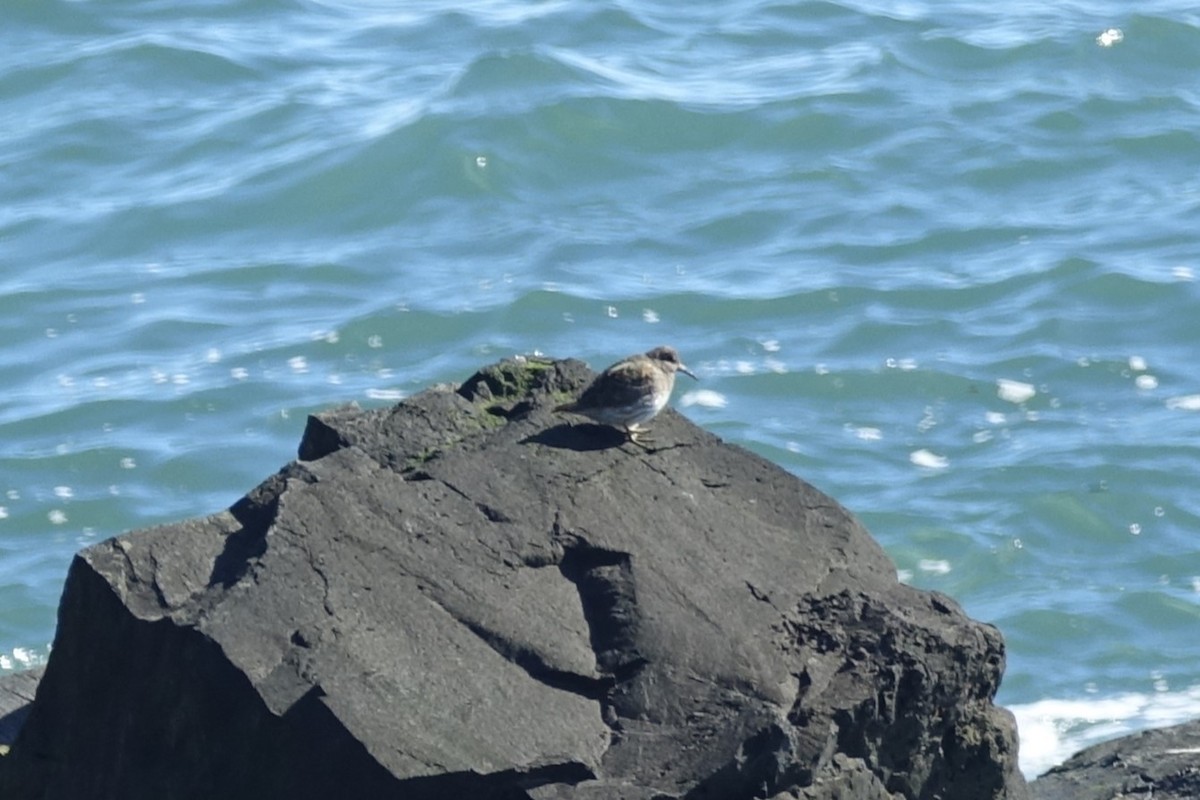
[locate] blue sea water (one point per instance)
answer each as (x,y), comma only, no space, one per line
(937,258)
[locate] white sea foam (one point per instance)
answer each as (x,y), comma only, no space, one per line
(395,395)
(1188,402)
(936,566)
(705,398)
(867,433)
(928,460)
(1053,730)
(1014,391)
(21,658)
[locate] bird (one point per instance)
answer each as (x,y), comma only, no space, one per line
(631,392)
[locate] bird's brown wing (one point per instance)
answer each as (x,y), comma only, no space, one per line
(623,384)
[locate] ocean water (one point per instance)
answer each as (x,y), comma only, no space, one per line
(937,258)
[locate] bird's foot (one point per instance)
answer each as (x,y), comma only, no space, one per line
(637,436)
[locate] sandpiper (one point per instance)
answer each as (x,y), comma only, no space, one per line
(631,391)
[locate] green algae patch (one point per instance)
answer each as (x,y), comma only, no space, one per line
(508,380)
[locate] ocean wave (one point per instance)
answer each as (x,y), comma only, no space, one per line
(1052,730)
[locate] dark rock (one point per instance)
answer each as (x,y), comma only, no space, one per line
(469,596)
(1163,764)
(16,695)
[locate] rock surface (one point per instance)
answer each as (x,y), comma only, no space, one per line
(16,695)
(468,596)
(1159,764)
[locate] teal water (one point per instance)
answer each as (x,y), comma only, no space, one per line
(938,259)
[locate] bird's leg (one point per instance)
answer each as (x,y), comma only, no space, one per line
(632,431)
